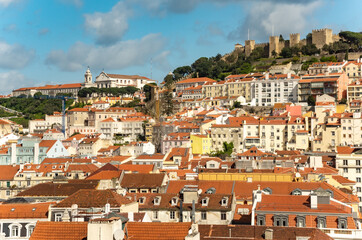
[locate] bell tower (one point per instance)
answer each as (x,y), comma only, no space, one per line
(88,76)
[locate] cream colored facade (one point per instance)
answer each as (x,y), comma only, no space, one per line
(351,132)
(349,166)
(214,89)
(354,91)
(353,69)
(241,87)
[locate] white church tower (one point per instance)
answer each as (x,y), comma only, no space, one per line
(88,81)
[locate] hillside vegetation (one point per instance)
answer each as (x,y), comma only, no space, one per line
(218,67)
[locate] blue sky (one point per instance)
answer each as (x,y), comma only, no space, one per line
(53,41)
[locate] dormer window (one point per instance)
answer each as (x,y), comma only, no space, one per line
(174,201)
(54,167)
(142,200)
(224,201)
(157,200)
(205,201)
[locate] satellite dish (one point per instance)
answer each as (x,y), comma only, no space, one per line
(118,234)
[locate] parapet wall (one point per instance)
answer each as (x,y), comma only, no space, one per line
(320,37)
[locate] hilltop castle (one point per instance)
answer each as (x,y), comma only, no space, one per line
(320,37)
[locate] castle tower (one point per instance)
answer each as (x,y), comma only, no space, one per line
(274,45)
(249,47)
(294,39)
(88,76)
(320,37)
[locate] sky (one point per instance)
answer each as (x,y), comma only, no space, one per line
(54,41)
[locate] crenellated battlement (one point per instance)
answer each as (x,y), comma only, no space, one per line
(320,37)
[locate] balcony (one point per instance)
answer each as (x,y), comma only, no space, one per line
(343,233)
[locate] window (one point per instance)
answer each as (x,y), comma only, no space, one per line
(58,217)
(300,221)
(358,162)
(321,221)
(223,216)
(15,231)
(358,189)
(260,220)
(30,229)
(297,192)
(358,170)
(345,170)
(333,133)
(155,215)
(172,214)
(345,162)
(280,220)
(203,215)
(224,201)
(342,223)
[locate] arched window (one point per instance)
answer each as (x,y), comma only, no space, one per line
(15,230)
(29,229)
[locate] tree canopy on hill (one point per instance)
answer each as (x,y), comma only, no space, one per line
(33,108)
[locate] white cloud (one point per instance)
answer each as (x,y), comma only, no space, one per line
(14,56)
(286,17)
(109,27)
(118,56)
(12,80)
(5,3)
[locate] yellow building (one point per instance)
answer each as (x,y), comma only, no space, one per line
(200,144)
(248,177)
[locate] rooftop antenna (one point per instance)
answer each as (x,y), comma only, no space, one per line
(248,34)
(273,30)
(151,68)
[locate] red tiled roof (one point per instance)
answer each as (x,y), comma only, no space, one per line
(60,231)
(87,198)
(24,210)
(157,230)
(195,80)
(103,175)
(7,172)
(343,180)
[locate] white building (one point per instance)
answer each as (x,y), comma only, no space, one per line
(126,130)
(279,88)
(107,80)
(137,148)
(348,162)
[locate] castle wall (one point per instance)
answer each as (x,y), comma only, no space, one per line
(249,47)
(274,45)
(320,37)
(294,39)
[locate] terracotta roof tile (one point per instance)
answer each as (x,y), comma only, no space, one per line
(157,230)
(86,198)
(58,189)
(60,231)
(142,180)
(24,210)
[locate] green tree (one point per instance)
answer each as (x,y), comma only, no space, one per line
(202,66)
(286,52)
(311,101)
(343,101)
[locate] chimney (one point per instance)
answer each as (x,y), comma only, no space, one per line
(107,208)
(313,201)
(36,153)
(267,76)
(13,153)
(289,75)
(268,234)
(130,217)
